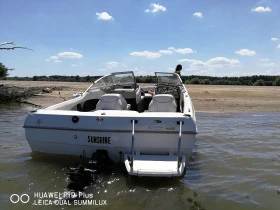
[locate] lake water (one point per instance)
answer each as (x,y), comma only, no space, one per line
(235,165)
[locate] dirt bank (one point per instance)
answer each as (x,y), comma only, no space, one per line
(206,98)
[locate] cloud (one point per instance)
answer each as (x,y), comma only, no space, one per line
(169,52)
(193,62)
(217,62)
(274,39)
(54,57)
(261,9)
(69,55)
(181,50)
(147,54)
(156,8)
(220,62)
(245,52)
(112,64)
(268,64)
(198,14)
(104,16)
(74,65)
(101,69)
(278,46)
(264,59)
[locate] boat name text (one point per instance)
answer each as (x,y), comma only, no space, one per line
(99,139)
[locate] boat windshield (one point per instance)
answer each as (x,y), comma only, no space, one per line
(115,80)
(165,78)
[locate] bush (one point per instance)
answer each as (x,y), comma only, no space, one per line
(259,82)
(277,82)
(206,82)
(195,81)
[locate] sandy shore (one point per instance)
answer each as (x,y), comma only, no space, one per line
(206,98)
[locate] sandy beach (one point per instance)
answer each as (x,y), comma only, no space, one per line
(206,98)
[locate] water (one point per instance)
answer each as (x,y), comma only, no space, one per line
(235,165)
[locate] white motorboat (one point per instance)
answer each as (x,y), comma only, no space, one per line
(150,129)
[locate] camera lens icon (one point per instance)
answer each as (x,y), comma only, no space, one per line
(15,198)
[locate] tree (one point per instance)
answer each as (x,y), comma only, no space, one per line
(206,81)
(88,78)
(259,82)
(3,71)
(277,82)
(195,81)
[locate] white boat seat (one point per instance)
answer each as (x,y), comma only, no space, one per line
(163,103)
(112,102)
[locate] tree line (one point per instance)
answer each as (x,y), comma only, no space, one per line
(256,80)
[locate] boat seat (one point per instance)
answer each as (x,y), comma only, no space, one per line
(112,102)
(163,103)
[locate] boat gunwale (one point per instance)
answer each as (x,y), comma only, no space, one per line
(109,130)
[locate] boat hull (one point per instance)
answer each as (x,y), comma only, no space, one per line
(55,132)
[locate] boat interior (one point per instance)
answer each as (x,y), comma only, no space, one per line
(123,95)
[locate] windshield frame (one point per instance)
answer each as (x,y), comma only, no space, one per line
(167,78)
(115,80)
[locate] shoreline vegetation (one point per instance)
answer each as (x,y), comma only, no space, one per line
(256,80)
(206,98)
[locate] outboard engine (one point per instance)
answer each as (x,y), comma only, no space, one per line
(81,174)
(85,175)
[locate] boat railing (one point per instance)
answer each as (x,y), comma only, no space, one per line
(179,145)
(132,142)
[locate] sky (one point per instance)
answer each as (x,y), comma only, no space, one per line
(97,37)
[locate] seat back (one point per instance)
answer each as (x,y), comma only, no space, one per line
(111,102)
(163,103)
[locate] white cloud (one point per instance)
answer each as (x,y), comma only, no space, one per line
(193,62)
(74,65)
(169,52)
(198,14)
(181,50)
(147,54)
(274,39)
(69,55)
(278,46)
(268,64)
(245,52)
(198,64)
(264,59)
(155,8)
(220,62)
(104,16)
(217,62)
(261,9)
(112,64)
(54,57)
(101,69)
